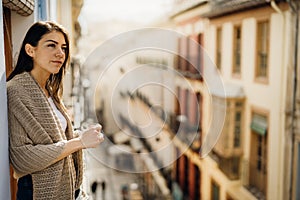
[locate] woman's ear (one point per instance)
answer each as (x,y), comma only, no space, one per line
(29,49)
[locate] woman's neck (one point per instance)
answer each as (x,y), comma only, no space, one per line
(41,79)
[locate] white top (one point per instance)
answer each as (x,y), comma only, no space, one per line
(62,119)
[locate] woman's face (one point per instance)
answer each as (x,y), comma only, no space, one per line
(49,54)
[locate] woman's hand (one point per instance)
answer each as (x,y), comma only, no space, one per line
(89,138)
(92,137)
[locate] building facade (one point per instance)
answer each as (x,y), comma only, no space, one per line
(253,47)
(250,44)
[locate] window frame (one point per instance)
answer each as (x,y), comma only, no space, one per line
(213,185)
(228,138)
(255,159)
(237,70)
(43,10)
(296,166)
(261,74)
(218,61)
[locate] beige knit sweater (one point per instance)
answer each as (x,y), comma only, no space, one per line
(37,139)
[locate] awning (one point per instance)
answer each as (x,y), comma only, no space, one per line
(259,124)
(22,7)
(229,90)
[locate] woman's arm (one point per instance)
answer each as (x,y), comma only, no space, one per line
(90,138)
(27,158)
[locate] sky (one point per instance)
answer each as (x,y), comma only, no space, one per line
(101,19)
(139,11)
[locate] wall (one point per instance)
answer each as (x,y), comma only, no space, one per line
(19,27)
(267,97)
(4,166)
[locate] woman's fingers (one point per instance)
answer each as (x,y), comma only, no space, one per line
(97,127)
(92,137)
(101,136)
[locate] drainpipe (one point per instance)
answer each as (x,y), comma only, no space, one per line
(282,102)
(275,7)
(295,9)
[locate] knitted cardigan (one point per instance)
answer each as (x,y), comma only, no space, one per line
(37,139)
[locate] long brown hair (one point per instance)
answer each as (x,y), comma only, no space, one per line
(25,63)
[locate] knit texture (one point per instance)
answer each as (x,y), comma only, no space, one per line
(37,139)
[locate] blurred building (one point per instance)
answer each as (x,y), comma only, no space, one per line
(16,17)
(253,46)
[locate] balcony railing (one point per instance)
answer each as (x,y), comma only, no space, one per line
(231,167)
(159,111)
(187,132)
(257,182)
(137,132)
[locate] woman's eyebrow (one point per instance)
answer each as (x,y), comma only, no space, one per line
(54,41)
(51,41)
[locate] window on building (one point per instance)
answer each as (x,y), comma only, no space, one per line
(199,115)
(215,191)
(196,56)
(219,47)
(42,10)
(228,149)
(197,183)
(186,104)
(230,142)
(237,130)
(262,42)
(191,179)
(183,54)
(193,112)
(182,174)
(297,186)
(188,55)
(177,101)
(182,95)
(177,175)
(195,120)
(200,55)
(193,55)
(186,175)
(235,168)
(177,59)
(230,166)
(259,153)
(237,124)
(237,39)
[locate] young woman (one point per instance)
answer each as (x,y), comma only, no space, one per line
(44,151)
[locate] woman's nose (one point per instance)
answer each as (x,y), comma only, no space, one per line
(60,52)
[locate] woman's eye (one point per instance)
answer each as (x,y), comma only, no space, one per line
(51,45)
(64,49)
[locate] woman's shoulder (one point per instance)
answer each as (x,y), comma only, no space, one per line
(14,85)
(18,85)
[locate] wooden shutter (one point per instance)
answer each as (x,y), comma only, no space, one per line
(9,68)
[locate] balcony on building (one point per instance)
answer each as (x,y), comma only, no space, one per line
(229,147)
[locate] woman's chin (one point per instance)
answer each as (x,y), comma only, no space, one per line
(55,71)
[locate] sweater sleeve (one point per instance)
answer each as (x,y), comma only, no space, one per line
(32,148)
(26,157)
